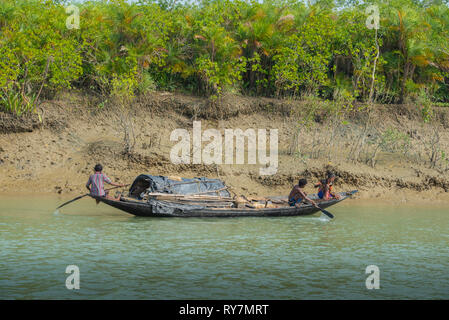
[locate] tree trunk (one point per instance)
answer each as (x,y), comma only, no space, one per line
(404,82)
(373,76)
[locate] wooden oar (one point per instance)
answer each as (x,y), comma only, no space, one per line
(82,196)
(327,213)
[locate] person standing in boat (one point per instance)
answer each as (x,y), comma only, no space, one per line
(325,187)
(298,195)
(96,182)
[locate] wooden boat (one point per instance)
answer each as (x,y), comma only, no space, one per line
(173,206)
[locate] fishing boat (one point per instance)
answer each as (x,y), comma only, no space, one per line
(160,196)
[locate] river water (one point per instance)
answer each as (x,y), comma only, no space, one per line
(120,256)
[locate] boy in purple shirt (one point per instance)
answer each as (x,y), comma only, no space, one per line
(95,184)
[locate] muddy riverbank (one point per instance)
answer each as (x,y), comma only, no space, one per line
(54,150)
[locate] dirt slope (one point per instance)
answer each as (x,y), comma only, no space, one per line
(58,154)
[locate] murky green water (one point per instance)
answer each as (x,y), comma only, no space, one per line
(121,256)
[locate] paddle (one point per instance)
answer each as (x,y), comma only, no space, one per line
(327,213)
(82,196)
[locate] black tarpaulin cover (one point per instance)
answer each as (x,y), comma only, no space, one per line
(164,184)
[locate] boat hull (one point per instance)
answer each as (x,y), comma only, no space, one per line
(142,209)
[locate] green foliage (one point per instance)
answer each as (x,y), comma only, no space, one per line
(303,61)
(123,88)
(393,140)
(9,66)
(356,43)
(13,102)
(39,53)
(269,48)
(426,106)
(146,83)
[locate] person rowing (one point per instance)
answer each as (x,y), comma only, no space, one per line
(325,188)
(95,184)
(298,195)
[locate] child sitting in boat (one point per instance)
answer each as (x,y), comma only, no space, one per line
(325,187)
(298,195)
(97,181)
